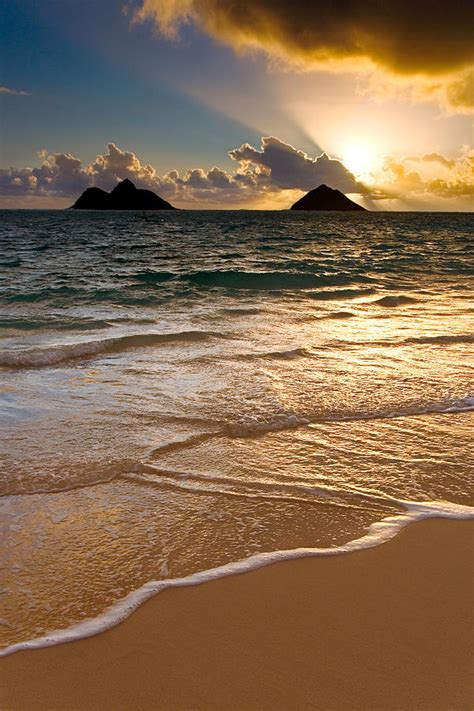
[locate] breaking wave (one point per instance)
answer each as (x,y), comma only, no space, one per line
(53,355)
(251,426)
(290,354)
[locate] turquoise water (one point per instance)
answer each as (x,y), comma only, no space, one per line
(185,391)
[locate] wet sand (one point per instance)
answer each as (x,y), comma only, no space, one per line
(390,628)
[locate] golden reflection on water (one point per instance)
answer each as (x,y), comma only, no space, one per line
(286,417)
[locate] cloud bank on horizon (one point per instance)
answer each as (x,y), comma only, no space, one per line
(273,176)
(421,47)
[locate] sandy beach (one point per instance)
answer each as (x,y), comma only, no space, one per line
(389,628)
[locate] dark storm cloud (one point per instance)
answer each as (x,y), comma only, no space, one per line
(406,37)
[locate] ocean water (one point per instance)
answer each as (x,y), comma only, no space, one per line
(200,392)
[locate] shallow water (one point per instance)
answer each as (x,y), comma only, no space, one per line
(184,392)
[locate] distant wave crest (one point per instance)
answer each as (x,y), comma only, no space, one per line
(66,324)
(268,281)
(443,339)
(396,300)
(150,277)
(335,294)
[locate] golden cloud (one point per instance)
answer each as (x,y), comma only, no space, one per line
(453,91)
(430,174)
(403,36)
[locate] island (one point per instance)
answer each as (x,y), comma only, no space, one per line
(125,196)
(325,198)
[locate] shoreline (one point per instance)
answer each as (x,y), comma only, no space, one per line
(378,533)
(382,628)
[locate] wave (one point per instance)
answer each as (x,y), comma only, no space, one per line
(62,479)
(186,443)
(149,277)
(254,426)
(244,427)
(443,339)
(340,315)
(21,324)
(44,294)
(378,533)
(72,324)
(461,405)
(125,296)
(11,263)
(268,281)
(53,355)
(250,311)
(339,294)
(290,354)
(227,280)
(393,301)
(231,486)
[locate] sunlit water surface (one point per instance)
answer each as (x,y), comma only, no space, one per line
(185,391)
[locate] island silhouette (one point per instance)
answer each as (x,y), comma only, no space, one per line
(326,198)
(125,196)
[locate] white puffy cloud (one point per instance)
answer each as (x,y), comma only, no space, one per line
(116,165)
(60,175)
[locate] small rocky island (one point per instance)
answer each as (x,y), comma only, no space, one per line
(125,196)
(325,198)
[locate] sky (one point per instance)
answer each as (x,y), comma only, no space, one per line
(245,104)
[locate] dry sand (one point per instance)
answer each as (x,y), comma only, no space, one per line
(382,629)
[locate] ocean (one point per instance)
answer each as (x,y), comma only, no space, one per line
(198,393)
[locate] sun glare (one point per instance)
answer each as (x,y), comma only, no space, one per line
(360,157)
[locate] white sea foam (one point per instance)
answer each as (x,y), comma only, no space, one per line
(248,426)
(377,534)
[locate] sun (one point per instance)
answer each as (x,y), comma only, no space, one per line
(360,157)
